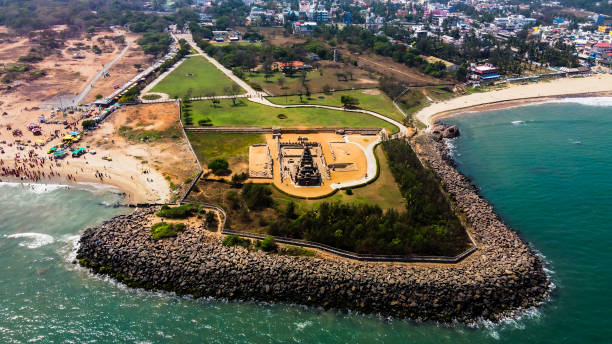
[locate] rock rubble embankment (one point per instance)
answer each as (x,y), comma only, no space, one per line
(503,275)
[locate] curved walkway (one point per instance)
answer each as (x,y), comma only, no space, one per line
(250,91)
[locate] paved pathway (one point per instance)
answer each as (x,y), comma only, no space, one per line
(259,97)
(79,99)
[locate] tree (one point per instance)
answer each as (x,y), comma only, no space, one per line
(281,82)
(269,244)
(257,196)
(218,166)
(349,101)
(212,96)
(88,124)
(233,91)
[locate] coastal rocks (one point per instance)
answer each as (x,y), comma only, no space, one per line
(503,275)
(441,131)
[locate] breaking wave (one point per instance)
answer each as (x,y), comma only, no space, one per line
(33,240)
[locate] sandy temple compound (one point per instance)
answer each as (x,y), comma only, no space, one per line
(308,164)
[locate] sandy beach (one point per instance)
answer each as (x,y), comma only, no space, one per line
(513,95)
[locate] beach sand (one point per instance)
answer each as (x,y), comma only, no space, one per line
(599,84)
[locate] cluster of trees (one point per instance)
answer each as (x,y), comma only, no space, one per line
(427,226)
(360,39)
(182,211)
(29,15)
(229,13)
(248,57)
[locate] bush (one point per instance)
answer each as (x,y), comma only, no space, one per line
(162,230)
(257,196)
(180,212)
(234,240)
(99,96)
(349,191)
(238,179)
(88,124)
(269,244)
(211,221)
(218,166)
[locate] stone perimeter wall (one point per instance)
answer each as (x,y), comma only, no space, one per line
(502,276)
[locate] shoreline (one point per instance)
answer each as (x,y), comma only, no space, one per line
(517,95)
(196,263)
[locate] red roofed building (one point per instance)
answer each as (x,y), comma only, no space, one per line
(296,65)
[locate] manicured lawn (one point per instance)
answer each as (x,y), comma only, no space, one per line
(384,192)
(371,99)
(252,114)
(205,78)
(209,146)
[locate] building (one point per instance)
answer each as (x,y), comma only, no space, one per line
(307,174)
(485,73)
(296,65)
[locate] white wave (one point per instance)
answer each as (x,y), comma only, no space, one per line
(518,122)
(35,188)
(590,101)
(34,240)
(302,325)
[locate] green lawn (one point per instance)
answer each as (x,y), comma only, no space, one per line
(205,78)
(368,100)
(253,114)
(316,80)
(384,192)
(229,146)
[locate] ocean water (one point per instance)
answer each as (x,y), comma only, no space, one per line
(547,169)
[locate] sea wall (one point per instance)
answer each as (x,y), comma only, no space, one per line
(503,275)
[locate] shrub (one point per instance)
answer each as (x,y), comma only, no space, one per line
(162,230)
(211,221)
(234,240)
(99,96)
(218,166)
(269,244)
(349,191)
(257,196)
(281,116)
(88,124)
(238,179)
(180,212)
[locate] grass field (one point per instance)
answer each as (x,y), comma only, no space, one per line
(205,78)
(371,99)
(254,114)
(232,147)
(384,192)
(316,80)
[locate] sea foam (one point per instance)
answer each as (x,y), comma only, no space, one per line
(589,101)
(35,188)
(34,240)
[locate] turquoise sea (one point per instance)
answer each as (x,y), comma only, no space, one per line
(547,169)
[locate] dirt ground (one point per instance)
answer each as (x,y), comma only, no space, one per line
(65,75)
(122,71)
(386,66)
(169,155)
(344,153)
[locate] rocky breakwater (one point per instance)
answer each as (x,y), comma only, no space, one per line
(502,276)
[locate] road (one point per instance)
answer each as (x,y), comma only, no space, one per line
(79,99)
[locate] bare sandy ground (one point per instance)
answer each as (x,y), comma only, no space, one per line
(141,170)
(123,71)
(516,95)
(65,75)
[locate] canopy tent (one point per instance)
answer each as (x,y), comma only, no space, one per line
(68,137)
(74,133)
